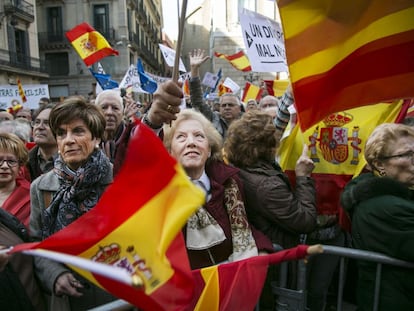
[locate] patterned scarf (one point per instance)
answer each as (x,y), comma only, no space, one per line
(79,191)
(204,232)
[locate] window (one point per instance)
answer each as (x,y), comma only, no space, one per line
(22,54)
(248,4)
(101,19)
(57,64)
(54,24)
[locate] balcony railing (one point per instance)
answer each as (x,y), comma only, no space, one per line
(20,8)
(21,61)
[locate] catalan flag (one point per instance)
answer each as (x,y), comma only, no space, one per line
(251,91)
(238,60)
(21,91)
(223,89)
(276,87)
(89,44)
(336,146)
(345,54)
(137,225)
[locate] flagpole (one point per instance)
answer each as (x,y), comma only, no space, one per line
(179,41)
(108,271)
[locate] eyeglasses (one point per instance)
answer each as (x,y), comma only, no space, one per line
(39,122)
(10,162)
(231,105)
(408,154)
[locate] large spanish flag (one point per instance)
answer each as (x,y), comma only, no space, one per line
(137,225)
(238,60)
(336,146)
(345,54)
(90,44)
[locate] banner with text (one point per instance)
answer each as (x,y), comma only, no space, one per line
(9,95)
(263,38)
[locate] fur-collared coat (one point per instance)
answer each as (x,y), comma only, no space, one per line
(382,211)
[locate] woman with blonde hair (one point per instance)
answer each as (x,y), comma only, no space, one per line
(14,189)
(381,204)
(219,231)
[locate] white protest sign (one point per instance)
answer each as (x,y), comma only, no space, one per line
(231,85)
(210,80)
(131,78)
(263,38)
(169,57)
(33,92)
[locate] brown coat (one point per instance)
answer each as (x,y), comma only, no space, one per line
(275,208)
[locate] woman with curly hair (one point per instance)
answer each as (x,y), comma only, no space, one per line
(272,204)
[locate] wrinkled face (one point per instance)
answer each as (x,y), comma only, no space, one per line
(24,114)
(42,134)
(190,147)
(9,168)
(229,108)
(399,164)
(113,111)
(267,102)
(75,143)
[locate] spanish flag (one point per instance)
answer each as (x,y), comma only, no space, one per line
(276,87)
(336,146)
(90,44)
(251,91)
(238,60)
(237,285)
(345,54)
(137,226)
(21,91)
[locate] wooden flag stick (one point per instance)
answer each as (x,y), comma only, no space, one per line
(179,41)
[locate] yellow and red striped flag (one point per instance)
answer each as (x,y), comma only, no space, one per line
(276,87)
(237,285)
(137,226)
(251,91)
(238,60)
(345,54)
(90,44)
(222,89)
(186,87)
(21,91)
(336,146)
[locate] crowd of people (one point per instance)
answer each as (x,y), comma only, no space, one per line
(57,161)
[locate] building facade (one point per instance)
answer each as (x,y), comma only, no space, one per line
(19,51)
(132,27)
(215,27)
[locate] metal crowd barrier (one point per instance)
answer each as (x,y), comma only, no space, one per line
(295,299)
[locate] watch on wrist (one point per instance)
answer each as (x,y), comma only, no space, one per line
(149,123)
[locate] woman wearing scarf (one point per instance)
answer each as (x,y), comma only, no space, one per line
(80,175)
(219,231)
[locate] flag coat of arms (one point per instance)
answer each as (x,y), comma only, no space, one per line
(345,54)
(137,226)
(336,146)
(89,44)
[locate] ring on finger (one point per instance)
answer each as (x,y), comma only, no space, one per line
(170,109)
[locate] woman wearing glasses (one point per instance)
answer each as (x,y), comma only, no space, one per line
(381,204)
(14,189)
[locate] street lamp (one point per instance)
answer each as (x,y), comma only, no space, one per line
(251,77)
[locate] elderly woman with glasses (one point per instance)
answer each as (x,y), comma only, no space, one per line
(14,189)
(381,204)
(80,175)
